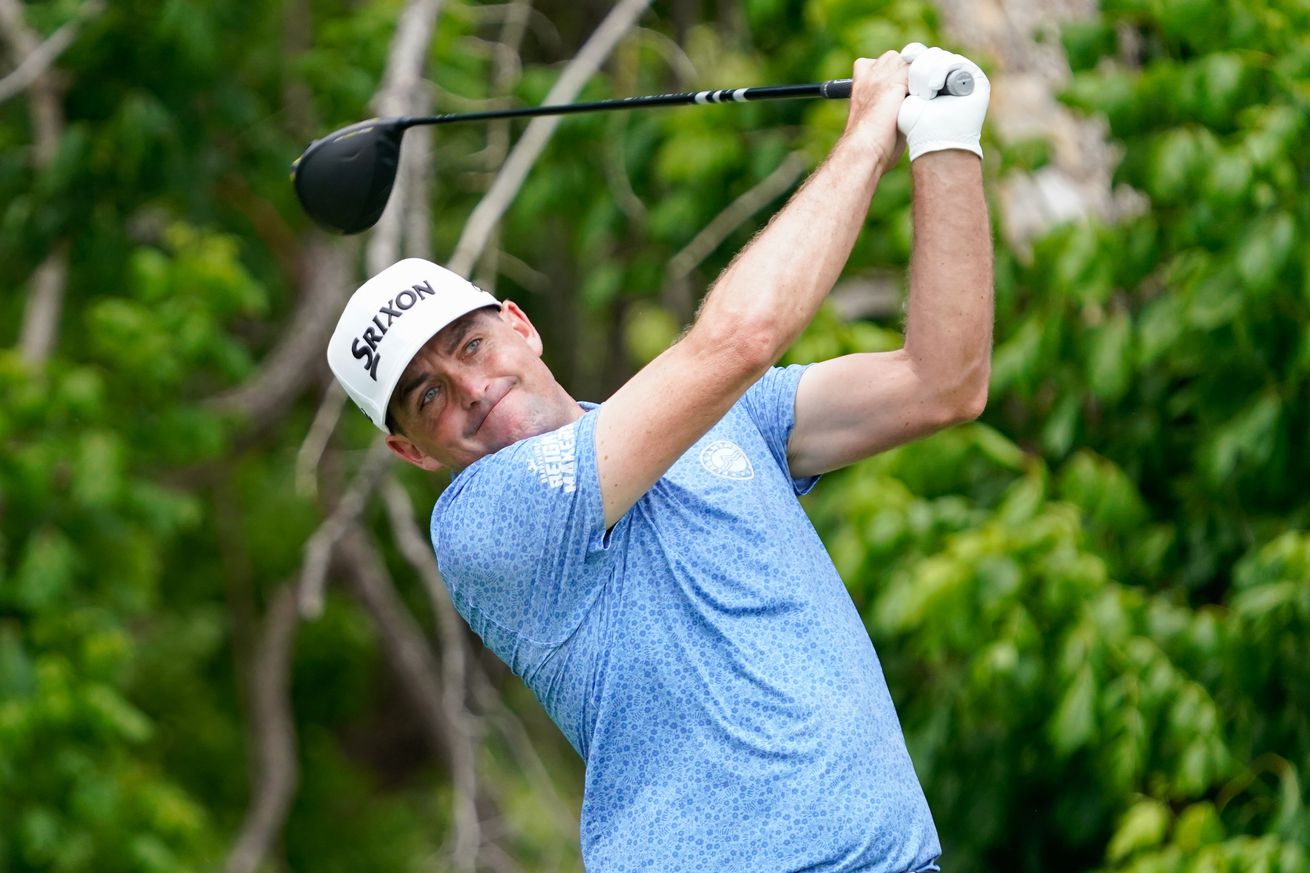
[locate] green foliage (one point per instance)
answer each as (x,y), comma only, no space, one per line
(1171,342)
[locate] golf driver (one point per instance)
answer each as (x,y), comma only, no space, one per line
(344,179)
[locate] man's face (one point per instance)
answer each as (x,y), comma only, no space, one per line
(477,386)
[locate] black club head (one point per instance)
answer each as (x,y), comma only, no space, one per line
(344,179)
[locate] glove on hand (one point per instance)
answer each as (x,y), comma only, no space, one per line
(933,122)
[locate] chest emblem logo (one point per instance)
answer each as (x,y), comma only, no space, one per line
(726,459)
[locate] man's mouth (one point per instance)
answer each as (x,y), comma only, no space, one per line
(475,424)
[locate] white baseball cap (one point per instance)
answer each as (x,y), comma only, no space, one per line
(387,320)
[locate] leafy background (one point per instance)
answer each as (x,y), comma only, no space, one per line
(1093,604)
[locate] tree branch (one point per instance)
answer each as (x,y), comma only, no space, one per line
(277,771)
(35,57)
(403,75)
(327,265)
(318,549)
(34,71)
(402,93)
(401,638)
(416,171)
(487,214)
(506,70)
(519,741)
(45,300)
(315,442)
(678,297)
(401,88)
(454,680)
(738,211)
(327,285)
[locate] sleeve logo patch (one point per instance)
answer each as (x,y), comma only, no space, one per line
(554,459)
(726,459)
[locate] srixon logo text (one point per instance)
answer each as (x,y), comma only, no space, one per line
(365,346)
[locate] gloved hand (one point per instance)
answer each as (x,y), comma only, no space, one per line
(934,122)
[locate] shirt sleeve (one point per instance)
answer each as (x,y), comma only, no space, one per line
(519,539)
(771,404)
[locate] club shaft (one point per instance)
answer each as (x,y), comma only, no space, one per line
(833,89)
(959,82)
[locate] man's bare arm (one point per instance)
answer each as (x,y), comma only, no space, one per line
(758,306)
(855,406)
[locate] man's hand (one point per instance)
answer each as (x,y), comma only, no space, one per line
(933,122)
(878,89)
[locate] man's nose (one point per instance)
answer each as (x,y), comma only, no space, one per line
(471,387)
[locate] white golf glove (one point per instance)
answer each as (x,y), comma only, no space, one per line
(933,122)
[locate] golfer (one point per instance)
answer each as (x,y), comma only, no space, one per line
(644,565)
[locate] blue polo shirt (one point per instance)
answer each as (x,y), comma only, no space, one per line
(703,657)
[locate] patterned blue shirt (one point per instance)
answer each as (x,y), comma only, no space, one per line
(704,657)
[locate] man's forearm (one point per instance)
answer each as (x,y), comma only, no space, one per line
(772,289)
(780,279)
(948,332)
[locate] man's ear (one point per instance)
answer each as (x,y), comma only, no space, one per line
(518,321)
(402,447)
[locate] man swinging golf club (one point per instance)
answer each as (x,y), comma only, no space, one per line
(644,565)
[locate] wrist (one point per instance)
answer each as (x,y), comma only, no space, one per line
(955,160)
(869,148)
(950,170)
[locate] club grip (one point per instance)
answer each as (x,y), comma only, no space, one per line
(959,83)
(836,89)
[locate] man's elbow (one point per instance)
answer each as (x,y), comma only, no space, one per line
(967,399)
(752,344)
(974,403)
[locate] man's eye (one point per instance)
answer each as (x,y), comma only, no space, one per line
(472,345)
(428,396)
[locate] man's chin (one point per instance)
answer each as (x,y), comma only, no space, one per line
(496,433)
(503,441)
(491,441)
